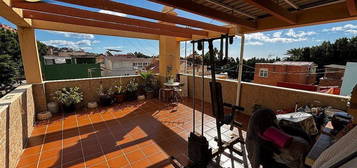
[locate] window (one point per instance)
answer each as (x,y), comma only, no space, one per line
(134,64)
(263,72)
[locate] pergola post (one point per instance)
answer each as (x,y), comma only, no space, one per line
(169,54)
(240,69)
(30,57)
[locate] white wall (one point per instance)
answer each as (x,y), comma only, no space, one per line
(349,79)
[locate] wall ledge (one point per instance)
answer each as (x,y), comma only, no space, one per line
(273,87)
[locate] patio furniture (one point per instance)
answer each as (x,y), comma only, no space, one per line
(301,120)
(170,92)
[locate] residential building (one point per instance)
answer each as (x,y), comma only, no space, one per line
(285,72)
(124,65)
(6,27)
(63,63)
(333,75)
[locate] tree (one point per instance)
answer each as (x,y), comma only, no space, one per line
(8,73)
(338,52)
(139,55)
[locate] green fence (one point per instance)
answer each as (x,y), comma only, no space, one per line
(70,71)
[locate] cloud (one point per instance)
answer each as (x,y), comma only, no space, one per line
(271,39)
(113,47)
(81,44)
(277,34)
(292,33)
(112,13)
(73,35)
(348,28)
(254,43)
(278,37)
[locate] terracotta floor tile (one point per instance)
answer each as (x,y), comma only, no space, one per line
(28,160)
(53,163)
(135,156)
(74,164)
(72,155)
(103,164)
(94,159)
(158,157)
(143,133)
(52,145)
(114,153)
(151,149)
(32,150)
(118,162)
(31,165)
(45,155)
(141,164)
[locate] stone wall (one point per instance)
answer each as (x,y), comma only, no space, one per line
(43,93)
(267,96)
(17,112)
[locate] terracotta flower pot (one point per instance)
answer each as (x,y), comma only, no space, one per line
(119,98)
(69,108)
(105,100)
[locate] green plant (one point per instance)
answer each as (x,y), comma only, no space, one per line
(119,88)
(147,81)
(132,86)
(68,96)
(105,92)
(169,74)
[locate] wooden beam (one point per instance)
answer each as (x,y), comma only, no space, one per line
(62,10)
(57,26)
(142,12)
(320,15)
(274,9)
(86,22)
(351,6)
(13,15)
(192,7)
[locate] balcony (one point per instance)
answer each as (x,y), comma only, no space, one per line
(141,133)
(132,134)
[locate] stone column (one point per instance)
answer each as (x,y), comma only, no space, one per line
(169,54)
(30,57)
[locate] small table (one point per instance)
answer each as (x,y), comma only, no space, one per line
(175,84)
(171,87)
(301,120)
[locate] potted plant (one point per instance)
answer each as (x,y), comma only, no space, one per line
(105,96)
(131,90)
(119,92)
(147,85)
(68,98)
(169,77)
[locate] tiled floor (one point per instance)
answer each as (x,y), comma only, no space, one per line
(134,134)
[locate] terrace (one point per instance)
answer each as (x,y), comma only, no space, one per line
(141,133)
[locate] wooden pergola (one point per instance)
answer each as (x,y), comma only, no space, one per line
(241,16)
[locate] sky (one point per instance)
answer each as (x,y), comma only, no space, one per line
(262,45)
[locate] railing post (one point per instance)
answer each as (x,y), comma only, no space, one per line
(30,56)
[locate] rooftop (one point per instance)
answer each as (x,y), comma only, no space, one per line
(335,66)
(294,63)
(134,134)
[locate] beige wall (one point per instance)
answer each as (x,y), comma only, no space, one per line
(268,96)
(17,112)
(89,88)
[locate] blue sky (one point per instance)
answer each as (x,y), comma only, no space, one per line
(266,44)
